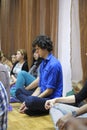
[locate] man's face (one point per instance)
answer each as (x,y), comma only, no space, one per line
(40,51)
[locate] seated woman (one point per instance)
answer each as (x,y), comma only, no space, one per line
(4,78)
(35,65)
(21,64)
(59,109)
(25,78)
(7,63)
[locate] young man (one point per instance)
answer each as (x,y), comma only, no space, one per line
(50,81)
(66,111)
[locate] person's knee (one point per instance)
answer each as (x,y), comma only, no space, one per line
(18,92)
(30,102)
(23,73)
(74,124)
(20,73)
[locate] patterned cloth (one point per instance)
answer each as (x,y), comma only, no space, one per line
(3,107)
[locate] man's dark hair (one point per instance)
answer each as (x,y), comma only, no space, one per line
(33,51)
(44,42)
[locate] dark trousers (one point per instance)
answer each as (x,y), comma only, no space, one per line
(35,105)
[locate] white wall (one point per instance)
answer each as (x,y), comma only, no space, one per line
(69,43)
(64,42)
(76,50)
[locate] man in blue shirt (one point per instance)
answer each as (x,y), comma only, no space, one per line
(50,81)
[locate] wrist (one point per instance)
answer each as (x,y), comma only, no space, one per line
(27,88)
(56,100)
(74,114)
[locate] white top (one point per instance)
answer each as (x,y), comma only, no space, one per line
(17,68)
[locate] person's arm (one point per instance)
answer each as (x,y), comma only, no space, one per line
(46,93)
(50,103)
(36,92)
(68,99)
(83,120)
(75,124)
(82,94)
(81,110)
(34,84)
(13,80)
(62,121)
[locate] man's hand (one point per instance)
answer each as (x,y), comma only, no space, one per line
(49,103)
(62,121)
(23,108)
(74,124)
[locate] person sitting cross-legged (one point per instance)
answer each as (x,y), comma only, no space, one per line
(61,109)
(26,78)
(50,80)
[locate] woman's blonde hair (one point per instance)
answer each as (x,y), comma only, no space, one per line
(23,52)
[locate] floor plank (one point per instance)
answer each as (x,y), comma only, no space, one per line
(17,121)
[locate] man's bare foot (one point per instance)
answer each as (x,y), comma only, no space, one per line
(23,108)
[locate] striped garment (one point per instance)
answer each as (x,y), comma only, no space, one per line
(3,107)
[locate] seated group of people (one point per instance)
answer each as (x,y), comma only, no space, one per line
(21,76)
(40,88)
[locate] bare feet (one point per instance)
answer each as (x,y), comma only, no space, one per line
(23,108)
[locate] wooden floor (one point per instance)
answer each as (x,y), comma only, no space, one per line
(18,121)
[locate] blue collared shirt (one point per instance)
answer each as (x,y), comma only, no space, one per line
(51,76)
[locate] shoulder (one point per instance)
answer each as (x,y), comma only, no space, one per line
(25,63)
(54,62)
(15,64)
(2,67)
(25,66)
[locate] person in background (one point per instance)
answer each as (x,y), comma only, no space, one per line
(3,107)
(4,94)
(25,78)
(4,77)
(49,83)
(21,64)
(57,107)
(34,69)
(7,63)
(13,58)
